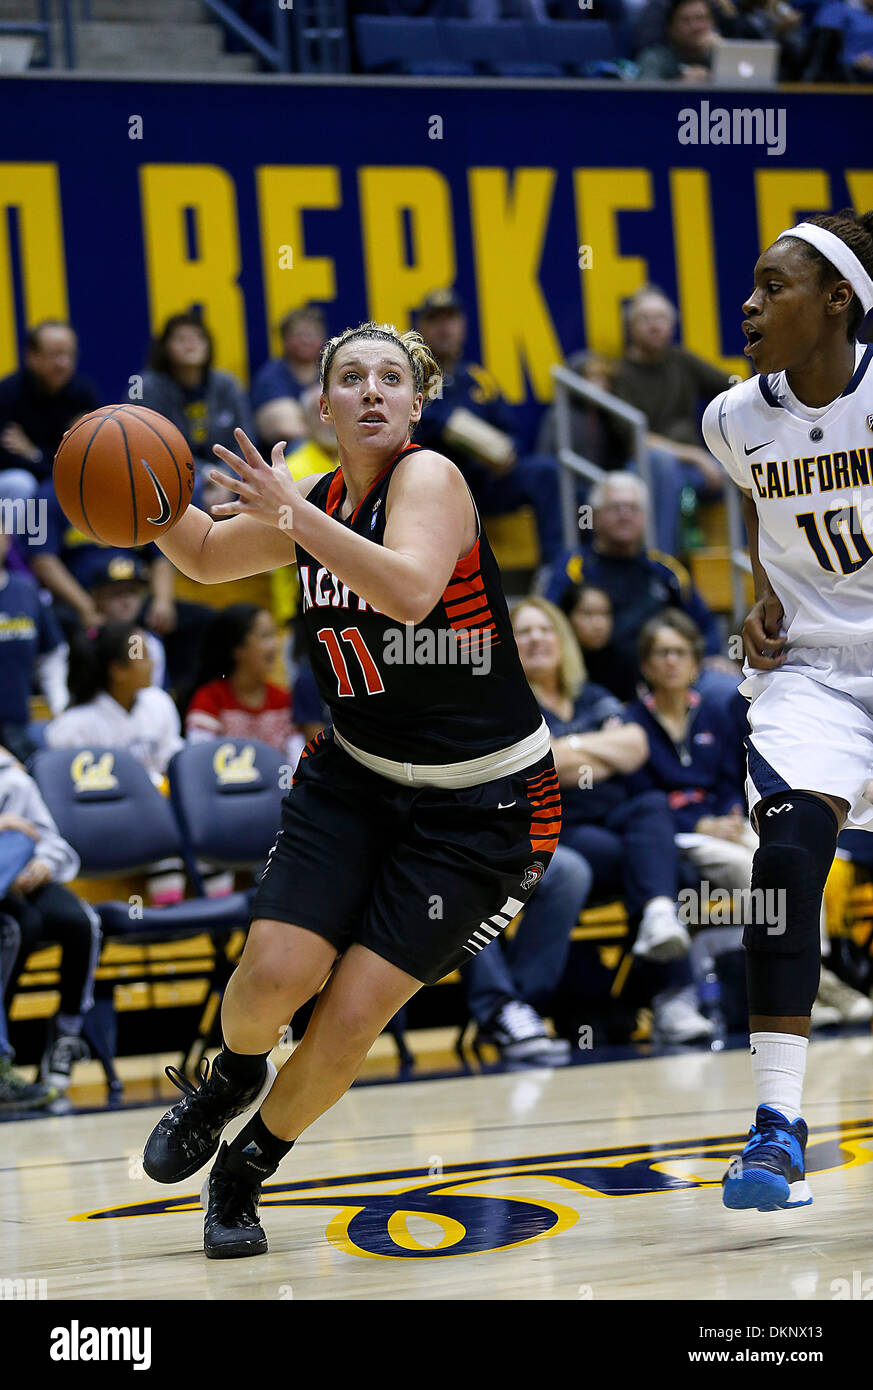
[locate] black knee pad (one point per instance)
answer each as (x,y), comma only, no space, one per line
(798,834)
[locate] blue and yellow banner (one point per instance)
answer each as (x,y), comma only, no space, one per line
(123,202)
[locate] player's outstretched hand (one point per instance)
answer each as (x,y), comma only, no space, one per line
(266,491)
(762,638)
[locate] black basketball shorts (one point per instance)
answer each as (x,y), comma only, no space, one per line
(422,876)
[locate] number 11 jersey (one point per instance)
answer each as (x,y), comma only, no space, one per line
(444,690)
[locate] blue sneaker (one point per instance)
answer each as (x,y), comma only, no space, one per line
(770,1174)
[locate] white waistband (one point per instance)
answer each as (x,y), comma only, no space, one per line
(470,773)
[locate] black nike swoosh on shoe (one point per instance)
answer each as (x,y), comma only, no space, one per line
(755,447)
(163,500)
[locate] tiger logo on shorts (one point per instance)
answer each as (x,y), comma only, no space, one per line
(532,875)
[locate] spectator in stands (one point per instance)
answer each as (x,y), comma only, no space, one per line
(15,1092)
(113,701)
(670,386)
(46,911)
(38,404)
(685,55)
(234,696)
(842,43)
(603,439)
(509,989)
(279,385)
(639,582)
(469,423)
(32,649)
(696,756)
(120,589)
(311,714)
(206,404)
(317,453)
(66,562)
(626,838)
(591,618)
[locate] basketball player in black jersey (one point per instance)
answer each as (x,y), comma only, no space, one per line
(419,823)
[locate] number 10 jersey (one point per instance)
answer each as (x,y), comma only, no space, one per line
(810,472)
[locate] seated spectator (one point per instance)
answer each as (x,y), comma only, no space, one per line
(625,838)
(278,385)
(590,612)
(38,404)
(695,755)
(842,43)
(509,989)
(310,712)
(33,651)
(639,582)
(685,54)
(670,386)
(15,1092)
(120,589)
(45,911)
(206,404)
(769,21)
(113,701)
(234,697)
(697,758)
(317,451)
(66,563)
(603,439)
(469,423)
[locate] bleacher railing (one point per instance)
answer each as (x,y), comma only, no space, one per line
(741,565)
(569,384)
(276,55)
(39,27)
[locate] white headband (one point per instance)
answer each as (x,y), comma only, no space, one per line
(843,259)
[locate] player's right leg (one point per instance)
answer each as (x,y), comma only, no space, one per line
(282,966)
(798,835)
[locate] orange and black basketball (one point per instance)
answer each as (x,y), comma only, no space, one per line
(123,474)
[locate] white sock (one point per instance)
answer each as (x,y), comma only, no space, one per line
(778,1065)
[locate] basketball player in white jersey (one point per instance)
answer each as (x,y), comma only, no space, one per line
(797,439)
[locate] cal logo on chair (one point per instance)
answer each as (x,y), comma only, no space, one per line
(91,776)
(232,767)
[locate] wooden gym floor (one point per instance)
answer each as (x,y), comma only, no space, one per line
(592,1182)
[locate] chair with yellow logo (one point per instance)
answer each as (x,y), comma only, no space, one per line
(106,806)
(227,798)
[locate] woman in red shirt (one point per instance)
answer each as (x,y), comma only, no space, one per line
(233,697)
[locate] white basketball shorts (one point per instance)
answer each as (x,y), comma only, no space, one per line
(811,727)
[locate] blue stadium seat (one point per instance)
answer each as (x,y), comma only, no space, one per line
(227,798)
(575,46)
(402,45)
(105,804)
(507,49)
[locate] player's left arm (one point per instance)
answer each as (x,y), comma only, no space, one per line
(430,523)
(429,517)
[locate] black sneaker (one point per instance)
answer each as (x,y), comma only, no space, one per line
(58,1058)
(231,1228)
(190,1132)
(521,1036)
(18,1094)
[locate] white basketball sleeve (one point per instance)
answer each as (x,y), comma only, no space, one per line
(717,436)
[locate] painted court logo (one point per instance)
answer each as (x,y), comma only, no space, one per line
(414,1213)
